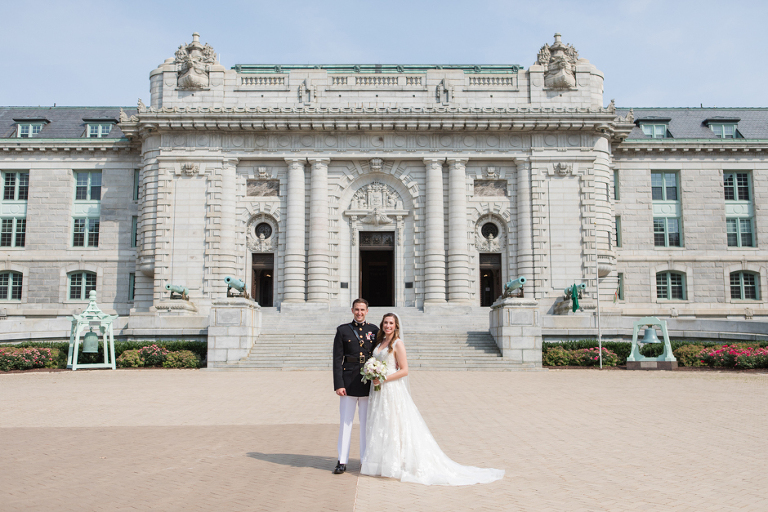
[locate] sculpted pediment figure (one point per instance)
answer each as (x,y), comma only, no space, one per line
(559,61)
(194,62)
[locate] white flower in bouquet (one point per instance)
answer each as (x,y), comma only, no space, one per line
(374,369)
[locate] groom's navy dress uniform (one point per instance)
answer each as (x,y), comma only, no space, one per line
(352,347)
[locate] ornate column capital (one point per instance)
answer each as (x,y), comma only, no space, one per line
(294,162)
(230,161)
(433,163)
(457,163)
(318,161)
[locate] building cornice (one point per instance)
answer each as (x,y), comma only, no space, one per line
(690,146)
(79,145)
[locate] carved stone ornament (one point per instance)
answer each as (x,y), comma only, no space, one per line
(375,164)
(194,62)
(491,172)
(628,119)
(563,169)
(376,218)
(263,173)
(124,117)
(559,61)
(190,169)
(376,196)
(259,242)
(489,244)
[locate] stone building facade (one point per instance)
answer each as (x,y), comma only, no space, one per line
(422,187)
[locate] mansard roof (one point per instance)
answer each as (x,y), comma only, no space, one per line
(693,123)
(61,122)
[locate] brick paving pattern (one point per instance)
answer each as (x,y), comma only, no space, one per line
(569,440)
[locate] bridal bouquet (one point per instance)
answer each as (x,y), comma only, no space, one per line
(374,369)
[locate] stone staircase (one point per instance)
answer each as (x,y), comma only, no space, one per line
(304,340)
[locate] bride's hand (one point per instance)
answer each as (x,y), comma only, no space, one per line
(376,382)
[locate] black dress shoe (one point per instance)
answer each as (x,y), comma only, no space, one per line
(340,468)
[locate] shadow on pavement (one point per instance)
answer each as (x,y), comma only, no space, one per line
(301,461)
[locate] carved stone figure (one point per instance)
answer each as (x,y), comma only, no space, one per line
(376,164)
(490,244)
(559,61)
(562,169)
(190,169)
(375,195)
(194,62)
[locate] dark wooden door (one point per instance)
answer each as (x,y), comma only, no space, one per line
(263,283)
(377,272)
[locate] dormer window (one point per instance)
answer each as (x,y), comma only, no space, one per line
(655,127)
(655,131)
(724,128)
(28,130)
(98,130)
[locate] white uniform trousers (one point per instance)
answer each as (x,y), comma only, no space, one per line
(347,407)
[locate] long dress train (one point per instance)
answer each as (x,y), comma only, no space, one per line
(400,445)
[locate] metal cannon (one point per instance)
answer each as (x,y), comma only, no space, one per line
(514,284)
(579,289)
(178,292)
(237,285)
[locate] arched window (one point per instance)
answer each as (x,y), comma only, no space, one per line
(670,286)
(744,286)
(80,285)
(10,285)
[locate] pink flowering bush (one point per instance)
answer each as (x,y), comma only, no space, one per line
(12,358)
(736,356)
(153,355)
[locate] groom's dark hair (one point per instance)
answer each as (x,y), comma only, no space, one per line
(360,300)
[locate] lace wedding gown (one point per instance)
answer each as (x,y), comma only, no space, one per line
(399,444)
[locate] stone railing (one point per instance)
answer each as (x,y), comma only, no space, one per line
(263,81)
(377,81)
(509,81)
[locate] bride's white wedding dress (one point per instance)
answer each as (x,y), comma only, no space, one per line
(399,443)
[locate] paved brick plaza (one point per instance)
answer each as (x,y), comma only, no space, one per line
(569,440)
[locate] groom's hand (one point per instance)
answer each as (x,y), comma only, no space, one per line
(341,392)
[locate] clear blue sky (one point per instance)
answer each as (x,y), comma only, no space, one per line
(653,53)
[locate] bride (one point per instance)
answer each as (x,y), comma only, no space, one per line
(398,441)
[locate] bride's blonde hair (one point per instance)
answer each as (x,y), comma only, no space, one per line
(395,334)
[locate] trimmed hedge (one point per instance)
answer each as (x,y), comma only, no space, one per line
(199,349)
(687,353)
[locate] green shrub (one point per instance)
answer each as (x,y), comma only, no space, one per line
(689,355)
(556,356)
(591,357)
(129,359)
(181,359)
(738,355)
(620,348)
(153,355)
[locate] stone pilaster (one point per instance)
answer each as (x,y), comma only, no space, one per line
(458,256)
(295,261)
(317,286)
(434,264)
(524,228)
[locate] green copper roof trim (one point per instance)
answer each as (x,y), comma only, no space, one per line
(501,69)
(716,140)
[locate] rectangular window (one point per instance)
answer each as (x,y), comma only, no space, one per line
(87,186)
(85,232)
(10,285)
(656,131)
(664,186)
(136,185)
(743,286)
(666,232)
(617,223)
(15,186)
(131,286)
(27,130)
(134,231)
(725,130)
(99,130)
(739,209)
(616,185)
(15,194)
(620,289)
(13,232)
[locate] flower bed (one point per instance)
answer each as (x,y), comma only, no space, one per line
(558,356)
(736,356)
(13,358)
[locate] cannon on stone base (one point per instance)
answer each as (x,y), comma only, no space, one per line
(177,291)
(512,285)
(235,287)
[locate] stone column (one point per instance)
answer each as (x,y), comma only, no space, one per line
(295,261)
(228,249)
(318,231)
(434,264)
(524,226)
(458,257)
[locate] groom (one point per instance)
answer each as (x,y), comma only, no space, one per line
(352,347)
